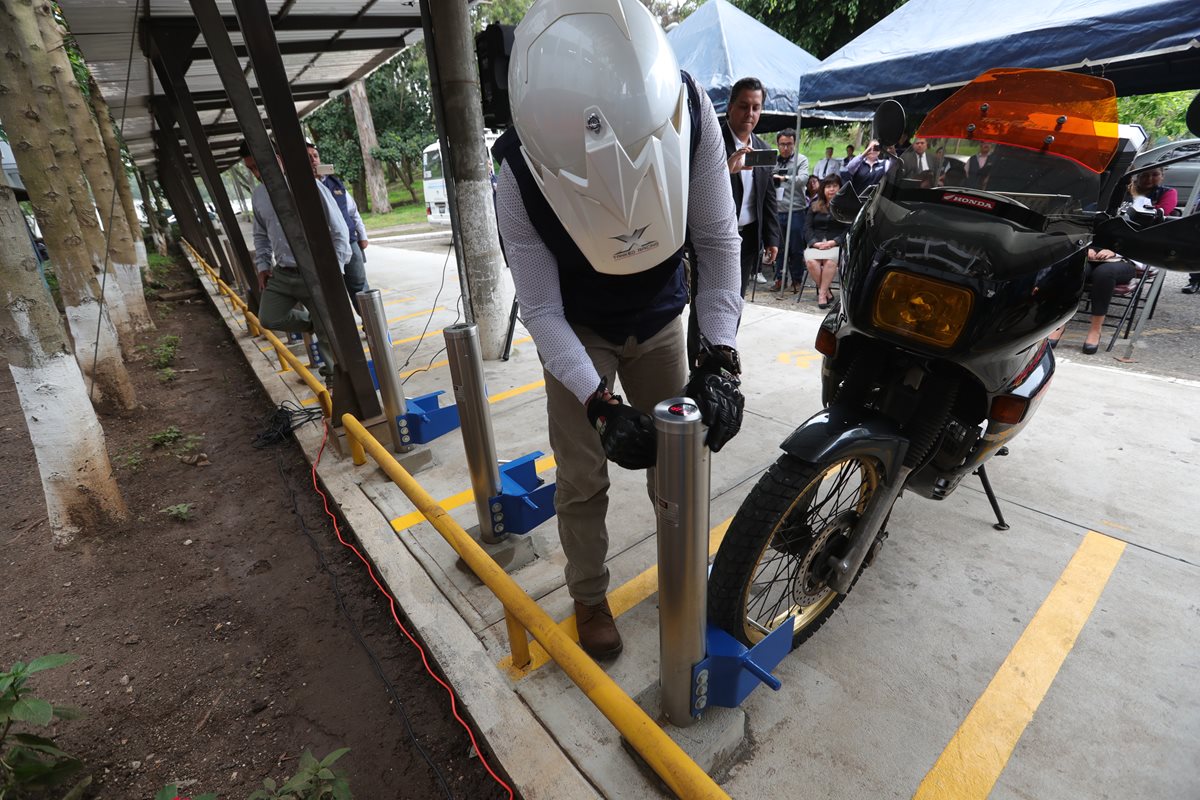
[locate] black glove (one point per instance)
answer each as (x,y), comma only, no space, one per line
(714,386)
(627,434)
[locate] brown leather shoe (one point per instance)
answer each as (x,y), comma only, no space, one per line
(598,634)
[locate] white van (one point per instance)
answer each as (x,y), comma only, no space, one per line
(437,210)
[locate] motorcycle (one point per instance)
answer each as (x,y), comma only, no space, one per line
(937,355)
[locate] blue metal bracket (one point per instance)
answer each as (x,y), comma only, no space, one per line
(731,671)
(525,500)
(426,420)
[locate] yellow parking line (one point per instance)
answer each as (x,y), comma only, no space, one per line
(973,760)
(424,313)
(620,600)
(403,523)
(395,300)
(529,387)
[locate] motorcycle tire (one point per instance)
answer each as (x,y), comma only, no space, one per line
(772,563)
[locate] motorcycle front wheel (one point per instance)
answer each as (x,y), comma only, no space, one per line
(774,560)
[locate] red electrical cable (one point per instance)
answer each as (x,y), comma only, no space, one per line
(392,604)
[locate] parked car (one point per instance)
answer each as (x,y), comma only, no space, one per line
(1182,176)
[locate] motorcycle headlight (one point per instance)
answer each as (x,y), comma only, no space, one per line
(930,311)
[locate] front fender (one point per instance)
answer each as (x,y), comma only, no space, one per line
(839,432)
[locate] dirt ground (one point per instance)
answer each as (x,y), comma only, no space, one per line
(214,651)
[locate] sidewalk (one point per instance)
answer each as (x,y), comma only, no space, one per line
(869,705)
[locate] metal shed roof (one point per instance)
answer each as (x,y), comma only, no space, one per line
(325,46)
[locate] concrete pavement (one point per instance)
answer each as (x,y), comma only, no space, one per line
(885,700)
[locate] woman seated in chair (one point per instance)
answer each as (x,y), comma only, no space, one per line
(824,236)
(812,190)
(1105,271)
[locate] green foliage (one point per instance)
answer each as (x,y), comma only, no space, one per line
(401,107)
(166,436)
(166,375)
(820,27)
(1162,115)
(29,762)
(130,461)
(181,512)
(315,780)
(155,274)
(190,442)
(670,12)
(163,354)
(336,135)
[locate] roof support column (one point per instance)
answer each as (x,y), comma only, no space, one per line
(164,54)
(170,177)
(298,204)
(458,109)
(170,141)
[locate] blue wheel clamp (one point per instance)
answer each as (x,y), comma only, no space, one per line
(525,500)
(731,671)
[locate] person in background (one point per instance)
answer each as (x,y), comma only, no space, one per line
(813,189)
(865,170)
(849,157)
(279,278)
(917,160)
(825,237)
(827,165)
(597,259)
(977,163)
(354,272)
(753,187)
(791,175)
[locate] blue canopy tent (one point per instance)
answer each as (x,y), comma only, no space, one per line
(719,43)
(926,49)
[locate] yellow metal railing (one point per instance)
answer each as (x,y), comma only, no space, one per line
(286,357)
(522,614)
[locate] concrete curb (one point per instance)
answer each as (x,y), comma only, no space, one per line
(538,767)
(413,237)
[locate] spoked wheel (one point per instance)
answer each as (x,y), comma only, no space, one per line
(774,561)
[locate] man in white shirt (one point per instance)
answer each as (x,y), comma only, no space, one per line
(917,160)
(828,165)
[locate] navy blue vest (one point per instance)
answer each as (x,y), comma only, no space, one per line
(614,306)
(338,190)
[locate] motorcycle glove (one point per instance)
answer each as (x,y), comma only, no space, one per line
(715,387)
(627,434)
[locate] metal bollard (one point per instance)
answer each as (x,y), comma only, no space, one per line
(681,485)
(475,419)
(374,319)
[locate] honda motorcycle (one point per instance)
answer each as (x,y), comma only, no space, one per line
(937,355)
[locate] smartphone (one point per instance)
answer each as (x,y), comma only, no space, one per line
(761,158)
(325,169)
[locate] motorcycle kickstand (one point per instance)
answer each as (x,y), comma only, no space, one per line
(1000,525)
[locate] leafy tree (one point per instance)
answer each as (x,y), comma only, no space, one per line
(336,135)
(819,26)
(401,102)
(1162,115)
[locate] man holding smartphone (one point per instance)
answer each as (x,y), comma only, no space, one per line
(751,179)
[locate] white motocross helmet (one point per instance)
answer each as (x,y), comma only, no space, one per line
(603,119)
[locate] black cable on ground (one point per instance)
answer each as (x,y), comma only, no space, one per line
(280,424)
(429,319)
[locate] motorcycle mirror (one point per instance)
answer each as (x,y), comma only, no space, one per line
(888,125)
(1173,243)
(1193,116)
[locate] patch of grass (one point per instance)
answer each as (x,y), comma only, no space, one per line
(155,273)
(131,461)
(165,437)
(163,310)
(164,351)
(181,512)
(166,375)
(191,442)
(409,214)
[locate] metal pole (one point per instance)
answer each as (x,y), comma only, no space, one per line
(475,419)
(370,305)
(681,485)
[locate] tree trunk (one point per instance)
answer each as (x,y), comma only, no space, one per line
(37,129)
(116,165)
(156,231)
(68,442)
(376,183)
(122,252)
(358,188)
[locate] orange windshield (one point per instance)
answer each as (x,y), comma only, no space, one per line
(1061,113)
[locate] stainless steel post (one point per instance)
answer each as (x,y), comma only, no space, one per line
(475,419)
(681,483)
(370,304)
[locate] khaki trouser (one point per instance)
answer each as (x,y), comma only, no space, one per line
(649,373)
(277,310)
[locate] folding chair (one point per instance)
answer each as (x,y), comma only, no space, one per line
(1132,304)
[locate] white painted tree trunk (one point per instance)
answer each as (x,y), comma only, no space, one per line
(77,477)
(39,135)
(130,303)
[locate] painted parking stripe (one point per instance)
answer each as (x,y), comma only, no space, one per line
(425,312)
(977,753)
(529,387)
(623,598)
(403,523)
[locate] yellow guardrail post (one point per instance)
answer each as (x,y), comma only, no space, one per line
(518,640)
(665,757)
